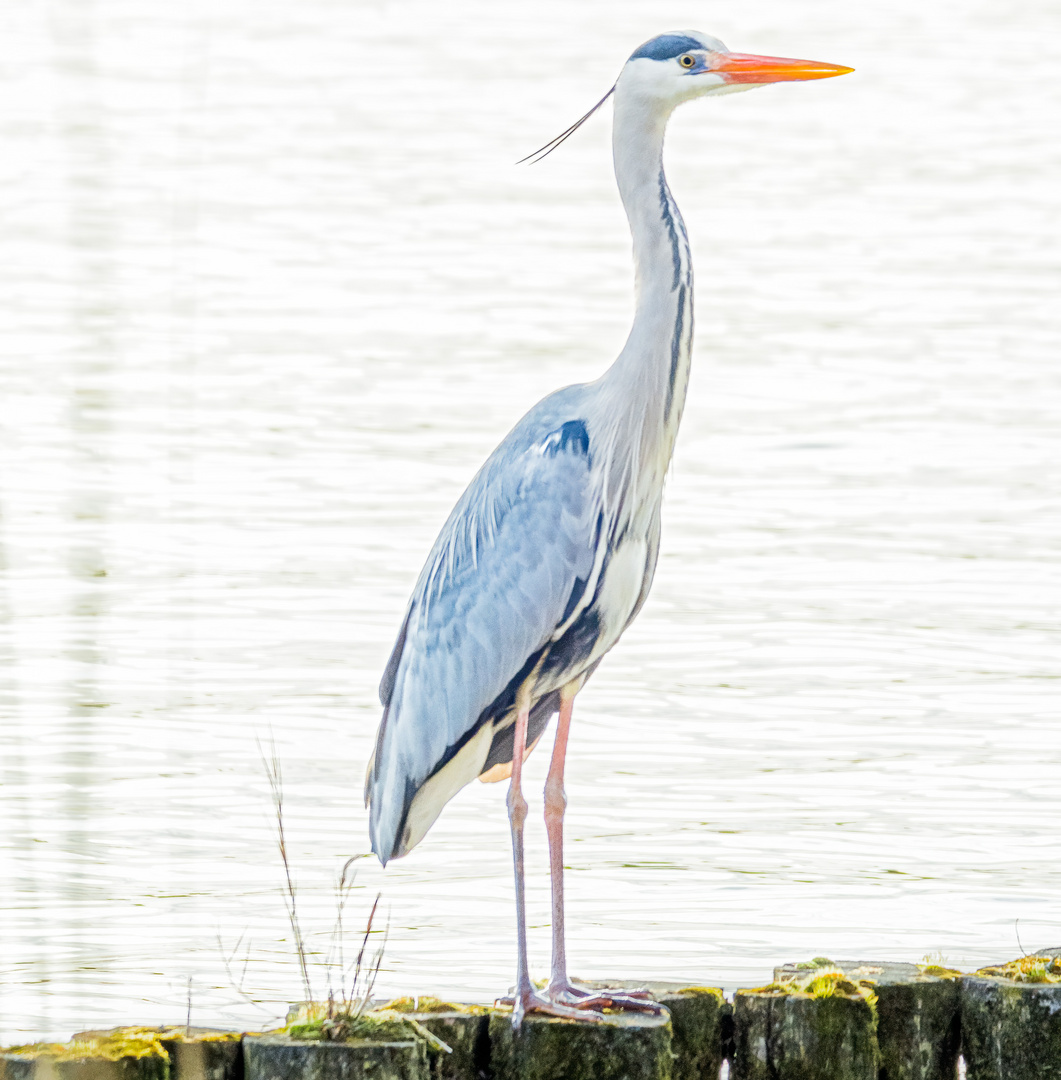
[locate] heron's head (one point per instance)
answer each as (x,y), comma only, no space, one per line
(685,64)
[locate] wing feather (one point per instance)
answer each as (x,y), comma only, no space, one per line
(498,582)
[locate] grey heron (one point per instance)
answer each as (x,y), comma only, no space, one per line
(549,554)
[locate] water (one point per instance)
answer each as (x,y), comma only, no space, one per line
(273,289)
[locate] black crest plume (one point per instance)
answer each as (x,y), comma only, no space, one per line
(552,144)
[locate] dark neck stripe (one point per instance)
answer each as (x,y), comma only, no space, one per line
(675,227)
(668,209)
(675,351)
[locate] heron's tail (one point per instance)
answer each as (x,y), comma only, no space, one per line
(407,786)
(386,813)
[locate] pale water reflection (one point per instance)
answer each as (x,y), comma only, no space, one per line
(273,288)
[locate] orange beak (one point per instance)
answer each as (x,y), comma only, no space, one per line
(746,68)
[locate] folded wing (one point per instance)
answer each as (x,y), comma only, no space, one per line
(508,569)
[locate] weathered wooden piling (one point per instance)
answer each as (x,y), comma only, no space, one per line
(700,1020)
(278,1057)
(203,1054)
(819,1020)
(332,1041)
(917,1008)
(101,1056)
(820,1026)
(194,1053)
(465,1029)
(627,1046)
(1011,1019)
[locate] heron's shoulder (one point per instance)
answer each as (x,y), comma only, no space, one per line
(562,420)
(538,477)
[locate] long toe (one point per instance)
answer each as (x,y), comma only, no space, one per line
(580,997)
(634,1001)
(544,1004)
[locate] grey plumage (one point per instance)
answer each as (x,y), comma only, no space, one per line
(505,589)
(550,552)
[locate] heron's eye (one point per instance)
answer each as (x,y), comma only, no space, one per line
(687,61)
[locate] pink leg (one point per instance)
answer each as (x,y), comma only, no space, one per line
(526,998)
(561,998)
(517,815)
(555,805)
(561,990)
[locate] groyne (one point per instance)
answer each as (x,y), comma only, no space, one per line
(817,1020)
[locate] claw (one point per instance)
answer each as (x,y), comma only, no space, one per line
(604,998)
(533,1001)
(571,1002)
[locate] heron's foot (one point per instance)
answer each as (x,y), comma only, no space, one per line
(610,997)
(541,1002)
(569,1001)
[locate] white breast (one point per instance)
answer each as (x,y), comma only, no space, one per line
(623,577)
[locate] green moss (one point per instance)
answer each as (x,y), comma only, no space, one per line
(628,1046)
(939,971)
(817,962)
(181,1034)
(35,1049)
(342,1027)
(279,1057)
(1027,969)
(834,984)
(427,1004)
(1011,1028)
(699,1015)
(110,1046)
(322,1022)
(918,1028)
(913,1009)
(791,1033)
(712,990)
(466,1033)
(819,1025)
(820,984)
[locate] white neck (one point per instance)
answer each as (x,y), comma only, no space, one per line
(646,385)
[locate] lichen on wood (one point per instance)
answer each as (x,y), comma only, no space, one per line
(314,1022)
(125,1054)
(277,1057)
(425,1003)
(626,1046)
(1027,969)
(195,1053)
(917,1013)
(700,1018)
(1011,1019)
(203,1053)
(819,1025)
(463,1028)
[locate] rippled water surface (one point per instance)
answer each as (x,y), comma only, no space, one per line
(272,288)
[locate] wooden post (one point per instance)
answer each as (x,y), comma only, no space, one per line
(203,1054)
(194,1053)
(104,1056)
(276,1057)
(818,1027)
(627,1046)
(700,1020)
(1011,1019)
(917,1008)
(463,1028)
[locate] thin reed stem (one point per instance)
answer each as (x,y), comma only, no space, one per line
(276,786)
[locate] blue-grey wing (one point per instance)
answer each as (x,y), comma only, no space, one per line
(506,572)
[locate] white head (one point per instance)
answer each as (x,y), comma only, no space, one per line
(685,64)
